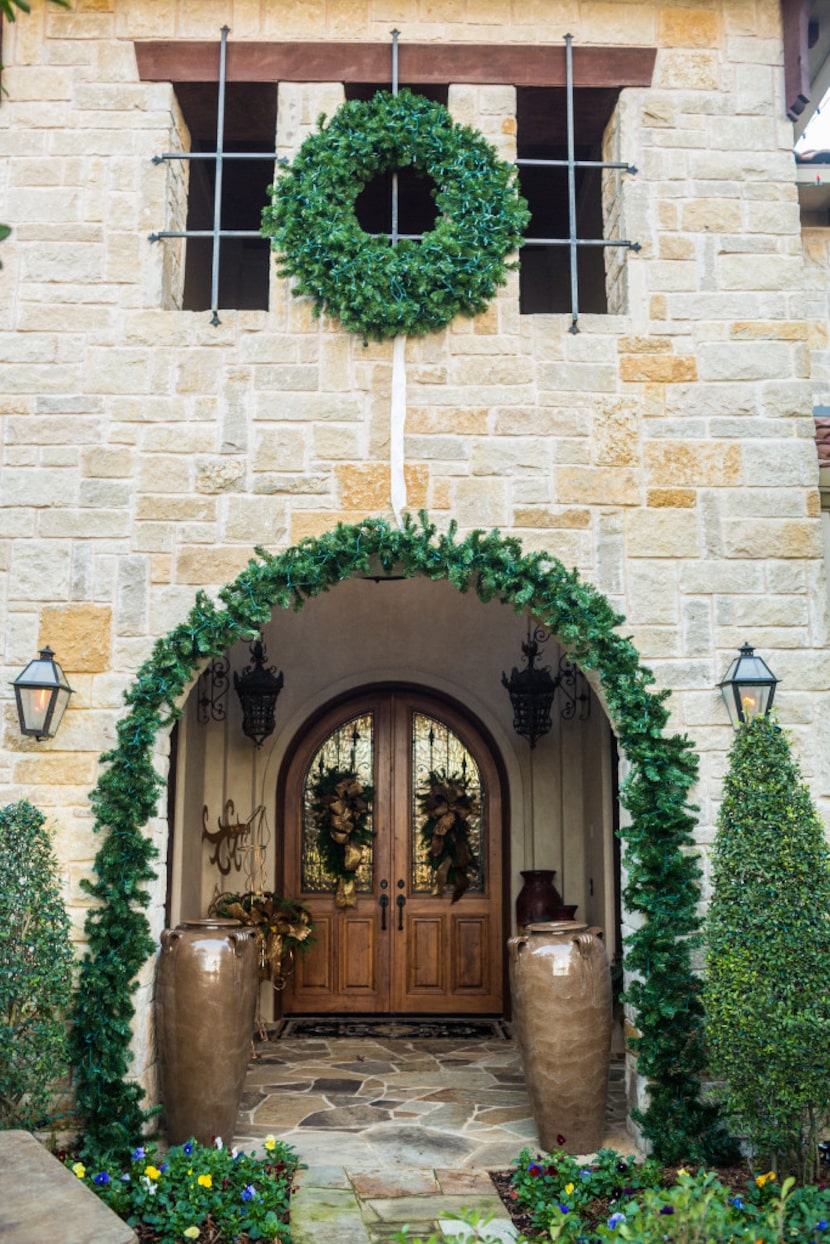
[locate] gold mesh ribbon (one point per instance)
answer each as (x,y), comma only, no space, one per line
(345,807)
(277,934)
(449,804)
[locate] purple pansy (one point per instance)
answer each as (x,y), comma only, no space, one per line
(101,1178)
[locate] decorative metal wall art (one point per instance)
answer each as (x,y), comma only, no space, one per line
(532,690)
(230,841)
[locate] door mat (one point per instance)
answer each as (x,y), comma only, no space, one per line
(394,1029)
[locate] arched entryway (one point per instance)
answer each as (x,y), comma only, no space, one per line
(662,892)
(397,942)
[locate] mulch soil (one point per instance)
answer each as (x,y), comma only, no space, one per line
(735,1178)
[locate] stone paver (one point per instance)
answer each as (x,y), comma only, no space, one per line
(40,1200)
(450,1110)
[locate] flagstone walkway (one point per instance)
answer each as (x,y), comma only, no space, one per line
(396,1131)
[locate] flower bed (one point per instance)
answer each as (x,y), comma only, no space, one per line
(556,1198)
(199,1193)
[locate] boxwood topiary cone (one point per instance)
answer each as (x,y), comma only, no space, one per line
(35,969)
(767,993)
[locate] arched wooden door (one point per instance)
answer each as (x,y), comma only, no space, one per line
(404,947)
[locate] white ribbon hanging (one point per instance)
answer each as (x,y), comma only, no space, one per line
(397,424)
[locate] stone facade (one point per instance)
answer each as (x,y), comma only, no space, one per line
(666,449)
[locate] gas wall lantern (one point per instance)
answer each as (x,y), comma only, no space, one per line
(42,694)
(748,687)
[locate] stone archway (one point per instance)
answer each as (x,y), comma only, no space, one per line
(662,884)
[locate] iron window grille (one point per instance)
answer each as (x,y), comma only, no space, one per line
(571,164)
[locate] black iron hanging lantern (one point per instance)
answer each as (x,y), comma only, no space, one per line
(42,694)
(531,693)
(748,687)
(258,688)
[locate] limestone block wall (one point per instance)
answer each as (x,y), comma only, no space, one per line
(666,450)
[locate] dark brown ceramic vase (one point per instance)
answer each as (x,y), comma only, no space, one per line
(560,986)
(538,898)
(206,993)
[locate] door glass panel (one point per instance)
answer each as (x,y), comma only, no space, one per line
(437,751)
(350,748)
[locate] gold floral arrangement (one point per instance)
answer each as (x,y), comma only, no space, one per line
(282,927)
(341,806)
(448,807)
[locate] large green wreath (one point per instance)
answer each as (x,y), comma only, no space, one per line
(411,288)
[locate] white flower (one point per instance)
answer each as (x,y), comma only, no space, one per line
(218,1142)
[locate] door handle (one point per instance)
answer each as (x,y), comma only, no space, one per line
(400,903)
(384,903)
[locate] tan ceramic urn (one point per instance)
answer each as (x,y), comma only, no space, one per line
(560,986)
(206,994)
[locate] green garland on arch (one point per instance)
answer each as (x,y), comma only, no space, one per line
(413,287)
(662,875)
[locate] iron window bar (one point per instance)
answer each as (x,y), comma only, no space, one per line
(219,156)
(572,241)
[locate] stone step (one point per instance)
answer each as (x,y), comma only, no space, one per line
(40,1200)
(370,1206)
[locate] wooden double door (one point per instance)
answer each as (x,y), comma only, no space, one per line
(404,946)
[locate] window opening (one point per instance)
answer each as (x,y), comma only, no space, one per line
(226,259)
(562,263)
(563,260)
(417,212)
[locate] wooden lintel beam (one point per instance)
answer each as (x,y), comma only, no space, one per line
(420,63)
(794,23)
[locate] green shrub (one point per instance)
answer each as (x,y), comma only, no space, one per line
(700,1210)
(696,1209)
(200,1193)
(767,993)
(555,1186)
(35,969)
(615,1197)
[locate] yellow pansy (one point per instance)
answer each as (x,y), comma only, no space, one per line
(764,1179)
(152,1172)
(79,1169)
(270,1142)
(191,1233)
(568,1189)
(206,1181)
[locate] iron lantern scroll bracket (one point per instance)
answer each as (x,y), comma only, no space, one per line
(214,684)
(532,691)
(748,687)
(258,688)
